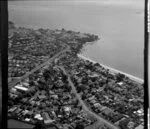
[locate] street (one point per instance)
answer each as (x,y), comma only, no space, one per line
(100,119)
(11,84)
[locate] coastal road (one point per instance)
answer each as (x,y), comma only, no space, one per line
(13,83)
(100,119)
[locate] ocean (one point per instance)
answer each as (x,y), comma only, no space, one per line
(118,23)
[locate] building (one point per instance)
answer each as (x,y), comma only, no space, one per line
(38,116)
(140,127)
(21,88)
(13,90)
(12,109)
(47,119)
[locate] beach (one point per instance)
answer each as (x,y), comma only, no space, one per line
(118,23)
(139,80)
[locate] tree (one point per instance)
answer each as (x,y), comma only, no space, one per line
(31,83)
(123,124)
(120,77)
(46,74)
(10,103)
(39,125)
(64,78)
(79,126)
(81,88)
(63,29)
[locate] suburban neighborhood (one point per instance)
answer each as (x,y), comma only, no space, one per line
(67,92)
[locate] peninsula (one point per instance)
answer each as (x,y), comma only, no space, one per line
(52,86)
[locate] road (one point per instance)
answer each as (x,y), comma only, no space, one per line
(100,119)
(13,83)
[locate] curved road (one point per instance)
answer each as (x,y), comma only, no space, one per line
(83,104)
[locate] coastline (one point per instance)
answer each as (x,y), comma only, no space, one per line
(139,80)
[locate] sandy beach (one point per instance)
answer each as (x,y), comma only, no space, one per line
(114,70)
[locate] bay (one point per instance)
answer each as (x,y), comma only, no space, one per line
(118,23)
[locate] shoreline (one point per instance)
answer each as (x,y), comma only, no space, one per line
(139,80)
